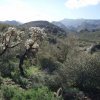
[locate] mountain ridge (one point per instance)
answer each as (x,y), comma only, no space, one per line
(49,27)
(68,25)
(11,22)
(80,24)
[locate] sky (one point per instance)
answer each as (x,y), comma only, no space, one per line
(50,10)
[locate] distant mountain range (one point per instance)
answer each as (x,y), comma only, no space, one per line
(13,22)
(49,27)
(73,25)
(78,24)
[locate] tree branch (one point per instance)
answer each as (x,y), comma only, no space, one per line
(14,45)
(4,51)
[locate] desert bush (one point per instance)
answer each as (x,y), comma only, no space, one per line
(14,93)
(35,76)
(48,63)
(73,94)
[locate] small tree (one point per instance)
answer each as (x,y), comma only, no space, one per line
(36,35)
(9,39)
(14,37)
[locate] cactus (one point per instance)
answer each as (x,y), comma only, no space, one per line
(59,93)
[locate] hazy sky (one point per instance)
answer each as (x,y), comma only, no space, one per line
(30,10)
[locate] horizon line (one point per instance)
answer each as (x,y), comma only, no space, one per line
(52,20)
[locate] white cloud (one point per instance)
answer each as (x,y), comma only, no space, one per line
(21,11)
(75,4)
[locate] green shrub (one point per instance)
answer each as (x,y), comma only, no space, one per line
(49,64)
(73,94)
(14,93)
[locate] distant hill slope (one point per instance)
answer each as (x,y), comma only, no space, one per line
(3,27)
(13,22)
(49,27)
(80,24)
(59,24)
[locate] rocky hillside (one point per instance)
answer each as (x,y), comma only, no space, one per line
(49,27)
(79,25)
